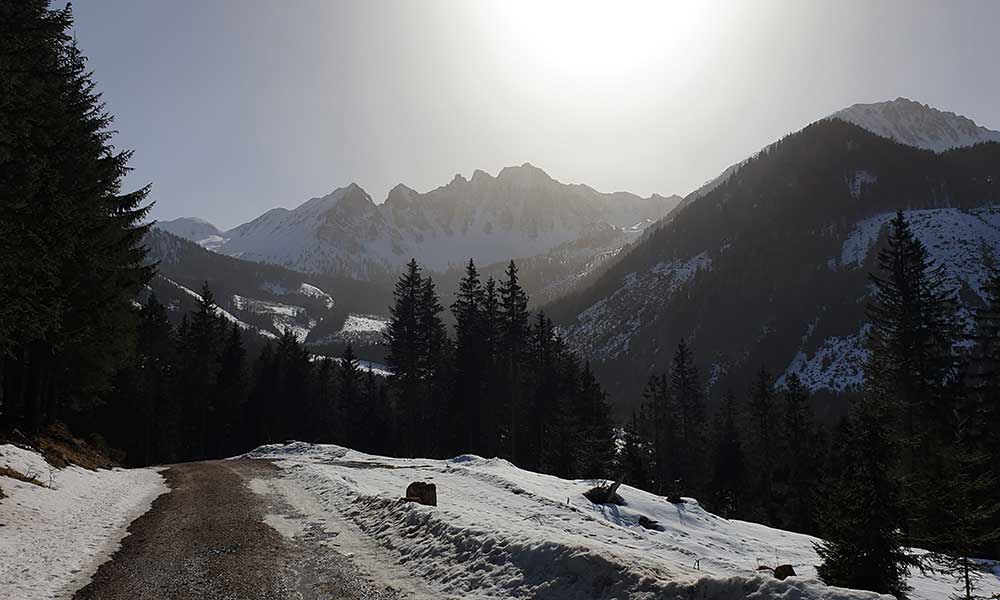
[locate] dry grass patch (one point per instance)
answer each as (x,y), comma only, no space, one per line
(8,472)
(61,449)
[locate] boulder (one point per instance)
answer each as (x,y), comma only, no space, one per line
(784,571)
(605,494)
(422,493)
(648,523)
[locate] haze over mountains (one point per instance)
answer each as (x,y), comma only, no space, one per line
(520,213)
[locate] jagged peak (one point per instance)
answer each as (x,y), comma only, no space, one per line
(480,175)
(400,195)
(917,124)
(527,173)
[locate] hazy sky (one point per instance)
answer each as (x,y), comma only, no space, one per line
(236,107)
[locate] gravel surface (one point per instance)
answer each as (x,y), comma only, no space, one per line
(207,539)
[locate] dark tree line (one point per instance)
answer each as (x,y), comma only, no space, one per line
(193,391)
(505,385)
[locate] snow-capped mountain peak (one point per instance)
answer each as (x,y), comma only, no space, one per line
(916,124)
(521,212)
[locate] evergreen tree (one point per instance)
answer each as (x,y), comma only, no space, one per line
(492,415)
(230,396)
(466,421)
(800,458)
(355,411)
(199,353)
(596,429)
(435,366)
(912,333)
(981,415)
(634,458)
(70,240)
(970,509)
(690,410)
(658,429)
(760,434)
(513,340)
(728,462)
(407,352)
(862,515)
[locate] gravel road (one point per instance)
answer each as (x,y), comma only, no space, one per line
(207,539)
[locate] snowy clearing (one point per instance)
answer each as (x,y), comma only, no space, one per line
(53,538)
(502,532)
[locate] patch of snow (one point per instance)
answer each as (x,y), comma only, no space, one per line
(220,311)
(502,532)
(856,184)
(54,538)
(314,292)
(837,365)
(916,124)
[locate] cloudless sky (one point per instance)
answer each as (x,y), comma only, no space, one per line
(235,107)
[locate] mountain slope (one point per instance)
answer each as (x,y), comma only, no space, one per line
(321,310)
(520,213)
(770,267)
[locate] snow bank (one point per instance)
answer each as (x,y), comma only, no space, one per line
(500,531)
(53,538)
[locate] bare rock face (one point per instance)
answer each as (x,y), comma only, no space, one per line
(784,572)
(422,493)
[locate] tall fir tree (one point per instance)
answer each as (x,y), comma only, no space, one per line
(761,412)
(913,333)
(513,342)
(71,242)
(407,351)
(230,396)
(862,515)
(465,412)
(728,461)
(685,389)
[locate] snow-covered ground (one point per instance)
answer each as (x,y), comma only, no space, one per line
(499,531)
(53,538)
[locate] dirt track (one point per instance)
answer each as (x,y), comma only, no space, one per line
(207,539)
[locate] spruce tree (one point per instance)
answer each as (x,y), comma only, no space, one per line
(230,396)
(912,335)
(199,353)
(634,457)
(355,408)
(687,396)
(728,462)
(596,428)
(513,339)
(657,430)
(407,351)
(761,444)
(799,458)
(465,411)
(71,242)
(862,517)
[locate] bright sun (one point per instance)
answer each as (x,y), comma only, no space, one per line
(589,38)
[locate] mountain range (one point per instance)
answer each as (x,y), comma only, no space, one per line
(520,213)
(768,264)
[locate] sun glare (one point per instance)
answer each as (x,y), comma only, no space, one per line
(594,39)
